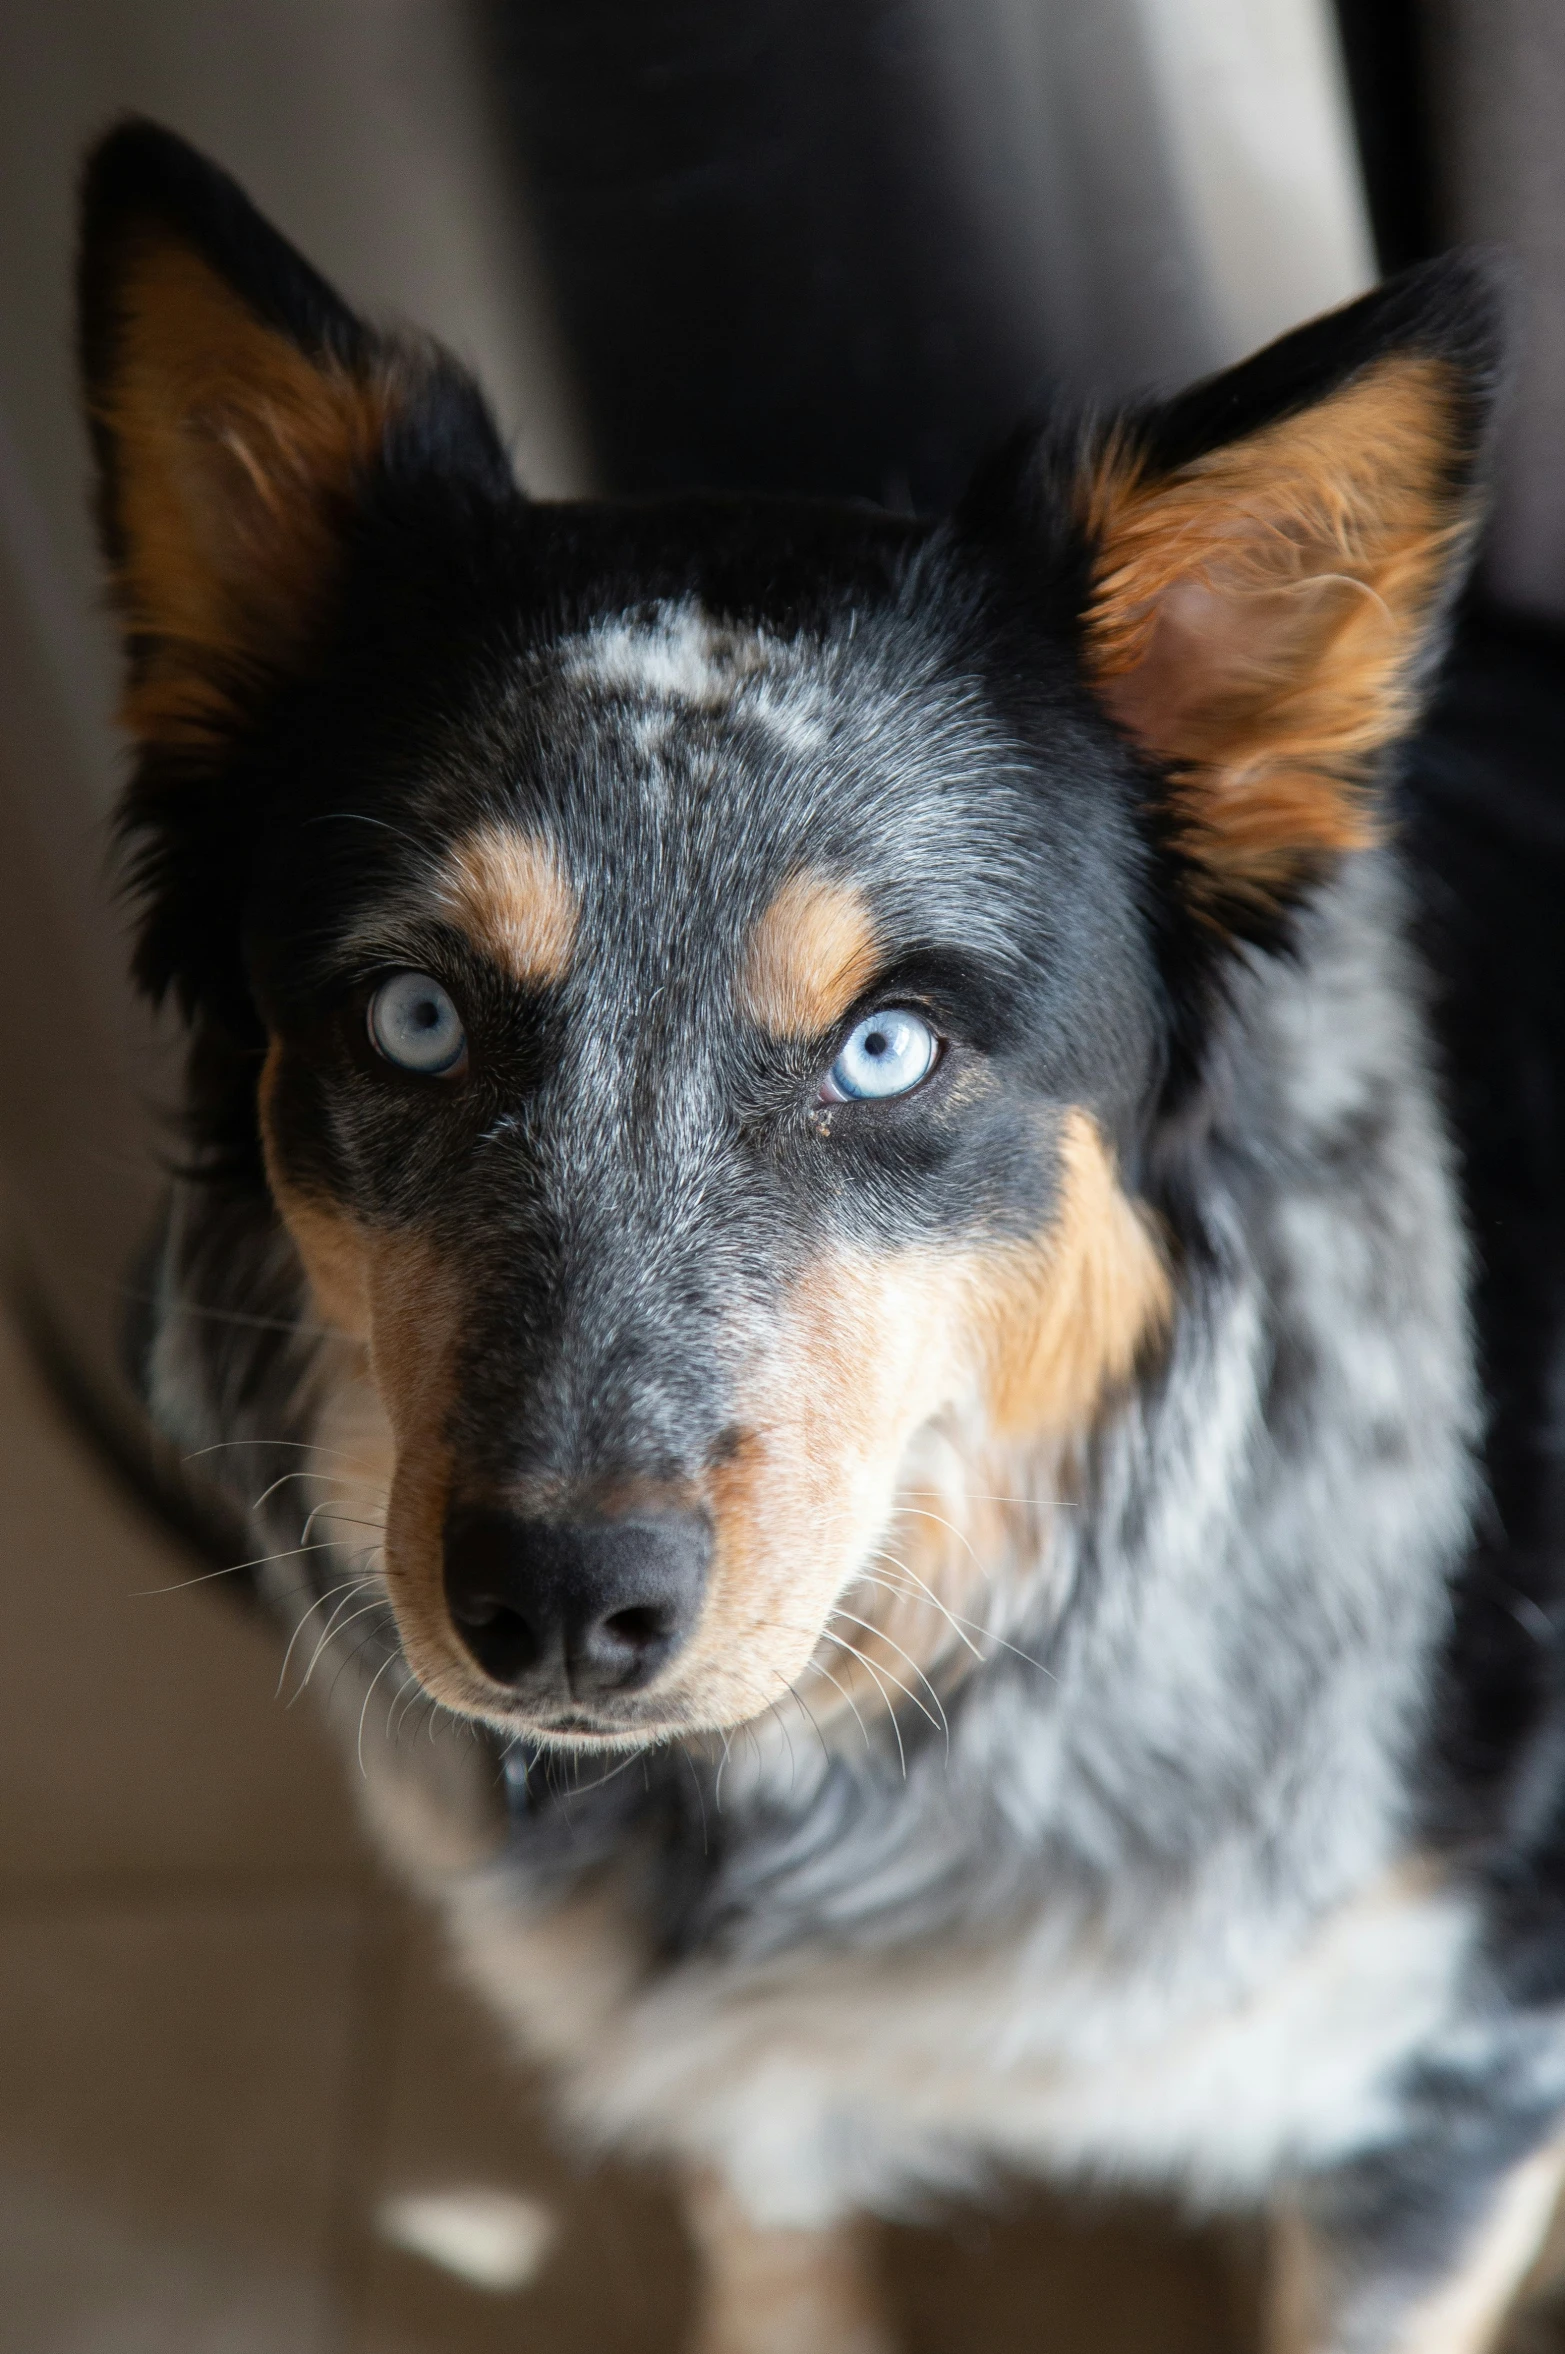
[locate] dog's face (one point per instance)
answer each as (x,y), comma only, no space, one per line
(707,1067)
(706,981)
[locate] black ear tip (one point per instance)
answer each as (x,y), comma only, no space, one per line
(137,169)
(1462,304)
(140,176)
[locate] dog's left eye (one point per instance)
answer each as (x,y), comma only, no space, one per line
(885,1054)
(413,1023)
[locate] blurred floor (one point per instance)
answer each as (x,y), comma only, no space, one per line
(226,2046)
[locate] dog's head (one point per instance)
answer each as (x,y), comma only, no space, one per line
(707,981)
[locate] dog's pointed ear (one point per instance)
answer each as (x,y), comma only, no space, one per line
(238,411)
(1270,557)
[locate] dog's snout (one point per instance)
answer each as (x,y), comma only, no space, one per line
(573,1610)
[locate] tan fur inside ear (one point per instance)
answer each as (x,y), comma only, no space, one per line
(236,456)
(1255,618)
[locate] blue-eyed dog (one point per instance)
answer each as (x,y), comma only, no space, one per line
(920,1249)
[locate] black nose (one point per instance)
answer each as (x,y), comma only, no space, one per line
(576,1610)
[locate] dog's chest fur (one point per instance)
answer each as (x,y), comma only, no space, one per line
(1157,1912)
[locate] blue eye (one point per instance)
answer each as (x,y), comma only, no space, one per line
(885,1054)
(414,1024)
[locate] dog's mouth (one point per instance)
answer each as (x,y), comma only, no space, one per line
(582,1732)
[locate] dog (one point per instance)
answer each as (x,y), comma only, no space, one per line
(885,1194)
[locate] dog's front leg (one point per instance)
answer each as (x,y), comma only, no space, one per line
(766,2290)
(1421,2251)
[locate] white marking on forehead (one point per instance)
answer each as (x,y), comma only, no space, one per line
(682,654)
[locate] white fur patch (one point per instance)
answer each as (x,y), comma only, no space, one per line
(682,655)
(492,2238)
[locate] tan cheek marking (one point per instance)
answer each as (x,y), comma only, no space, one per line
(809,956)
(871,1351)
(855,1369)
(510,894)
(392,1291)
(438,1813)
(1063,1321)
(334,1248)
(415,1327)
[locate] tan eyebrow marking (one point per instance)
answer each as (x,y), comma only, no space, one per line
(809,956)
(510,893)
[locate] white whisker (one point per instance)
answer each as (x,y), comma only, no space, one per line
(205,1577)
(333,1629)
(282,1479)
(388,1661)
(351,1585)
(328,1511)
(927,1592)
(304,1446)
(793,1762)
(794,1694)
(354,1656)
(958,1621)
(977,1496)
(843,1644)
(939,1719)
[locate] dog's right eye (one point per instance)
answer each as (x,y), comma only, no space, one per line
(413,1023)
